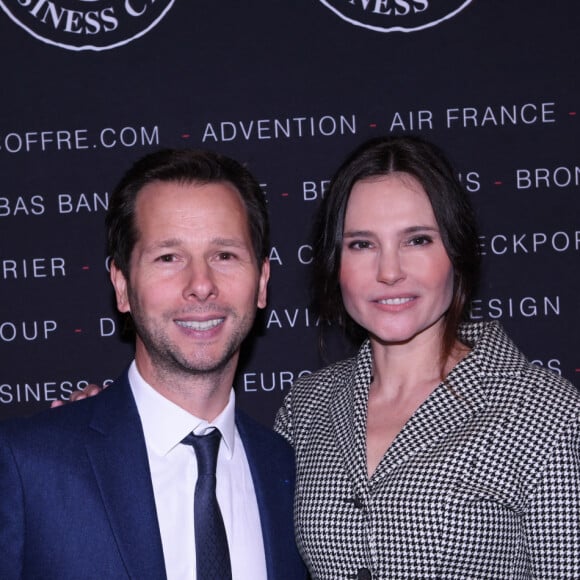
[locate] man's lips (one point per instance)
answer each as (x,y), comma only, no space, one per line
(200,325)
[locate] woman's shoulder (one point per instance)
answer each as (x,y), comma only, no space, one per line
(310,396)
(510,377)
(510,383)
(549,392)
(330,375)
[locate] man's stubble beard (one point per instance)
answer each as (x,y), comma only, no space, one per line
(169,360)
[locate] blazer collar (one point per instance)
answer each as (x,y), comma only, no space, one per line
(348,413)
(466,392)
(119,458)
(271,463)
(493,352)
(451,404)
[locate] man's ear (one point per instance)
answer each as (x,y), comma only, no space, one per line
(120,284)
(263,284)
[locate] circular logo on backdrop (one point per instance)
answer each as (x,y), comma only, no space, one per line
(86,24)
(396,15)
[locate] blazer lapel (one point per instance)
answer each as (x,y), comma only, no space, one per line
(348,412)
(119,458)
(272,466)
(448,407)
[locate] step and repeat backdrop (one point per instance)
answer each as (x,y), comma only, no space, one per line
(287,87)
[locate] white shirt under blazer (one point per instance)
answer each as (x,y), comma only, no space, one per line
(174,473)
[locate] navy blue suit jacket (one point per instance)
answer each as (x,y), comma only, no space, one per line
(76,499)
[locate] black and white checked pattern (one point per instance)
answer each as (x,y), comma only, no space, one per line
(482,483)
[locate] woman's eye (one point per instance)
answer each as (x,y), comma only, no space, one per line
(359,245)
(420,241)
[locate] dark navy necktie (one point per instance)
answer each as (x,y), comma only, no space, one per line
(211,545)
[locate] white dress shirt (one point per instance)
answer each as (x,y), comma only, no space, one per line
(174,473)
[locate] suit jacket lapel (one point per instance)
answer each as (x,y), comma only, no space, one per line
(448,407)
(272,468)
(119,458)
(348,413)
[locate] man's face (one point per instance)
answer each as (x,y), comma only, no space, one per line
(194,282)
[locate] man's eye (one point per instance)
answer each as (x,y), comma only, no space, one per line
(166,258)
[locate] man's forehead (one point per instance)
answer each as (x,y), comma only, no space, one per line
(192,185)
(196,206)
(187,194)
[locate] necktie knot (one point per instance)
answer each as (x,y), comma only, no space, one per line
(206,450)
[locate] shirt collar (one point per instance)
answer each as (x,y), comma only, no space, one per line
(165,424)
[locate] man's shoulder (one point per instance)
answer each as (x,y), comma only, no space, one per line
(261,436)
(47,435)
(249,425)
(64,418)
(61,422)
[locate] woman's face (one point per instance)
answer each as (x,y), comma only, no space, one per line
(395,275)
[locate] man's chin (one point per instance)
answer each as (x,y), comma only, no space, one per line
(204,365)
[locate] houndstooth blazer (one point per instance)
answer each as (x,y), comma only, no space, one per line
(482,482)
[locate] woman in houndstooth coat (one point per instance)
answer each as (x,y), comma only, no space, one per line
(439,451)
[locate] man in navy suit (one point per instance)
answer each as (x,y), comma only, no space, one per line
(105,488)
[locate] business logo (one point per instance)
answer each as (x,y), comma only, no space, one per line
(395,15)
(78,139)
(510,307)
(27,330)
(24,268)
(267,129)
(503,244)
(39,391)
(258,382)
(86,24)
